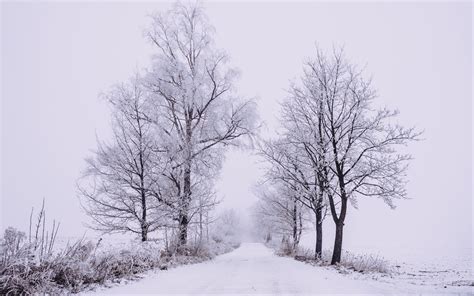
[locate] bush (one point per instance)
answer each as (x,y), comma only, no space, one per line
(29,265)
(83,264)
(286,248)
(366,263)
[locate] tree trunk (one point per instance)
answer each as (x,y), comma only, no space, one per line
(300,230)
(144,224)
(183,228)
(295,225)
(207,226)
(319,234)
(183,215)
(200,222)
(144,233)
(336,255)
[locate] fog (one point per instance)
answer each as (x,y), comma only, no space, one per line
(58,57)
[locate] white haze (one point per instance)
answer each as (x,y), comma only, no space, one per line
(57,58)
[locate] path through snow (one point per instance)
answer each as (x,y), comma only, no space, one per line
(254,269)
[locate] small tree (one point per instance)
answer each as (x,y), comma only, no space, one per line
(302,114)
(120,188)
(291,168)
(279,207)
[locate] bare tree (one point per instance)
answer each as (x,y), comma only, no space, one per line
(279,207)
(361,140)
(302,114)
(192,84)
(291,167)
(120,188)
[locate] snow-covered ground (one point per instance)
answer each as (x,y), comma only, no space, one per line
(421,265)
(255,269)
(427,266)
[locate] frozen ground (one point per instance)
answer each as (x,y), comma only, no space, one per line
(254,269)
(428,266)
(420,265)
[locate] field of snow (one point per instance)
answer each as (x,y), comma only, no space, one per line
(255,269)
(429,266)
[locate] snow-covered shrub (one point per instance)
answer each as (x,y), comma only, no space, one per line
(12,246)
(366,263)
(23,263)
(71,268)
(29,266)
(208,249)
(286,248)
(124,263)
(11,241)
(224,247)
(83,264)
(24,271)
(217,238)
(304,254)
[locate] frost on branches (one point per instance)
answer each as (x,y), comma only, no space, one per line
(171,126)
(336,147)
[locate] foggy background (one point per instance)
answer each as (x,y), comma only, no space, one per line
(58,57)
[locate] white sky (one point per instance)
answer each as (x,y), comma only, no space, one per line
(57,58)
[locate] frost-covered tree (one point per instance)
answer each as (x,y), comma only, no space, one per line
(196,105)
(302,117)
(358,141)
(280,212)
(289,166)
(120,189)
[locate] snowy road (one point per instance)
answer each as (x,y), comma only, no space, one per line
(253,269)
